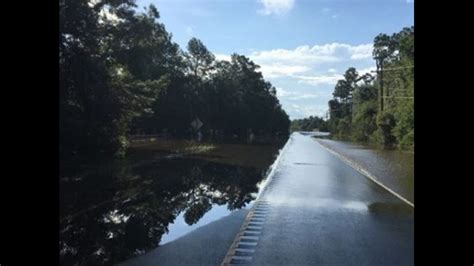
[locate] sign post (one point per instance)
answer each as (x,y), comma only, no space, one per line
(197,124)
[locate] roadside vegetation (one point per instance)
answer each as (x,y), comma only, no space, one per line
(357,111)
(309,124)
(121,74)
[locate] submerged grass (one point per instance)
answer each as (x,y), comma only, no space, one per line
(236,154)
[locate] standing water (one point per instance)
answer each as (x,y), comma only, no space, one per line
(119,210)
(393,168)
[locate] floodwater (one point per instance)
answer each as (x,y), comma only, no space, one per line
(393,168)
(122,209)
(320,211)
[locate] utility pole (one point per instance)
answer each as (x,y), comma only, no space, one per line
(381,86)
(379,61)
(380,74)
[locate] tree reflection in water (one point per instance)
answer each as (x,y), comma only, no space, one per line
(120,211)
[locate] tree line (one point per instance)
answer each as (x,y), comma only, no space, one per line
(374,108)
(309,124)
(121,74)
(380,108)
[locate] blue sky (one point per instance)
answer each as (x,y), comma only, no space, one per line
(302,46)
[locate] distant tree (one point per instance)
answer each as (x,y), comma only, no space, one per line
(309,124)
(200,60)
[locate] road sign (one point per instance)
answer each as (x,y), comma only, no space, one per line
(196,124)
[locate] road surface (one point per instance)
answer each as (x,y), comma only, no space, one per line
(317,210)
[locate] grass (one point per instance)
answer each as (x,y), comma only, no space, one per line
(237,154)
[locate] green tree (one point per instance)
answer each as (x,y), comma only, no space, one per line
(364,112)
(121,73)
(385,124)
(355,108)
(98,96)
(309,124)
(200,60)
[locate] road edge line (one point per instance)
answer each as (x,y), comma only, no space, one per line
(273,170)
(364,172)
(231,251)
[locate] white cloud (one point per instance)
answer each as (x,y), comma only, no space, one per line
(331,79)
(309,73)
(319,79)
(222,57)
(277,7)
(282,92)
(305,111)
(317,54)
(294,95)
(302,54)
(289,62)
(279,70)
(366,70)
(361,51)
(305,96)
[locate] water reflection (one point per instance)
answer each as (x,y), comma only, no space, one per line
(120,211)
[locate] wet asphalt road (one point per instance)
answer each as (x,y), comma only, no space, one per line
(320,211)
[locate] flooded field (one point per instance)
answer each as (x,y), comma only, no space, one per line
(118,210)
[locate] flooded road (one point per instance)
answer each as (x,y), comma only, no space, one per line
(393,168)
(317,210)
(120,210)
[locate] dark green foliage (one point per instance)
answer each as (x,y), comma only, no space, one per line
(365,111)
(355,108)
(341,107)
(200,60)
(385,123)
(120,73)
(309,124)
